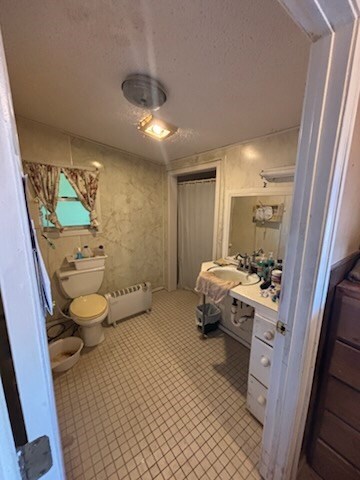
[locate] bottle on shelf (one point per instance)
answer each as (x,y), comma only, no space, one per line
(78,254)
(87,252)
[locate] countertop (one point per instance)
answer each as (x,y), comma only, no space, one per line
(250,294)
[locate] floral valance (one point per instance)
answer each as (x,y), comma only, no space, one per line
(45,181)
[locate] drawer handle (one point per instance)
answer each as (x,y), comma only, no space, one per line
(265,361)
(269,335)
(261,400)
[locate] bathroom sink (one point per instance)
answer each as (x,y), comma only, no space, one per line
(230,273)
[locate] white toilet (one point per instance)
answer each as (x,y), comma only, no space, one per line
(88,309)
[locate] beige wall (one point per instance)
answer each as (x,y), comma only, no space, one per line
(242,163)
(347,238)
(132,207)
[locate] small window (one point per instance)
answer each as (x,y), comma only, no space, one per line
(69,210)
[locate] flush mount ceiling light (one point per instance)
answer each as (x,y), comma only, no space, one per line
(155,128)
(144,91)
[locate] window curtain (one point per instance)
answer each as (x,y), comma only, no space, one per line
(196,204)
(45,181)
(85,183)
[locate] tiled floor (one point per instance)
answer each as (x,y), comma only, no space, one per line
(154,401)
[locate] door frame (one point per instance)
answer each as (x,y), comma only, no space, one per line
(23,312)
(329,112)
(172,194)
(327,125)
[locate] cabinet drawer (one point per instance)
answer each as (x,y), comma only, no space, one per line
(260,361)
(256,399)
(264,329)
(341,437)
(349,324)
(344,401)
(330,465)
(345,364)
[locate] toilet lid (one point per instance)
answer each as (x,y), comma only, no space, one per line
(88,306)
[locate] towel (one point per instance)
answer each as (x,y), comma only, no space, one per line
(264,213)
(222,262)
(354,275)
(213,287)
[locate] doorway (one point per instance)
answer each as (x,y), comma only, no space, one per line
(190,228)
(196,207)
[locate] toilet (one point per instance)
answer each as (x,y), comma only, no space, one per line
(88,309)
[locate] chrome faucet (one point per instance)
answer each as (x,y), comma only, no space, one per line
(256,254)
(244,262)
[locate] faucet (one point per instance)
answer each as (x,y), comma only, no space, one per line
(253,264)
(256,254)
(244,262)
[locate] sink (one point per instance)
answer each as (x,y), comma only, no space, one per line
(230,273)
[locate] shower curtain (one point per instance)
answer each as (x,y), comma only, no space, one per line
(196,204)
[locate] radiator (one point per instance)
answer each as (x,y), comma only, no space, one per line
(128,301)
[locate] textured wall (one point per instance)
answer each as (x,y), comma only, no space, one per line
(132,207)
(242,163)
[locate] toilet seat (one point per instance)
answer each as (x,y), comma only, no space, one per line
(88,307)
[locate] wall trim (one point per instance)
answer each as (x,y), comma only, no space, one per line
(172,213)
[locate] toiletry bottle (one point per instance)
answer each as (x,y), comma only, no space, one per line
(78,254)
(260,267)
(271,260)
(267,270)
(101,250)
(279,264)
(87,252)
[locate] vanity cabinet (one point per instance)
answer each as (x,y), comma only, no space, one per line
(260,365)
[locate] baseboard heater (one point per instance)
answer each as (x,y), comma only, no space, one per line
(128,301)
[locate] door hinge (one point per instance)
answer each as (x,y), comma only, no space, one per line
(281,327)
(35,458)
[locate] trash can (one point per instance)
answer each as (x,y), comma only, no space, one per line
(212,316)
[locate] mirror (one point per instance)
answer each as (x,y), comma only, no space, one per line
(260,221)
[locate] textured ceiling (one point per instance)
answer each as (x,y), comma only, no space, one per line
(233,69)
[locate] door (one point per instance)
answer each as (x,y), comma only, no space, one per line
(23,312)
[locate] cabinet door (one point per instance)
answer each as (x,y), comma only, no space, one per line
(260,361)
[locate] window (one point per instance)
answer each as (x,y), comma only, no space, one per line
(69,210)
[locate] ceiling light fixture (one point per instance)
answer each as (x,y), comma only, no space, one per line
(144,91)
(155,128)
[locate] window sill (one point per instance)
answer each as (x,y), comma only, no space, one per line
(70,232)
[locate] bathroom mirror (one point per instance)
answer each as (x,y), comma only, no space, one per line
(259,220)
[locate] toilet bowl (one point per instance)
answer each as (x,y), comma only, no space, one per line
(88,311)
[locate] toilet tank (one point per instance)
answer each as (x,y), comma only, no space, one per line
(75,283)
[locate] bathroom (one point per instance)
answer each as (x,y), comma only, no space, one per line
(151,395)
